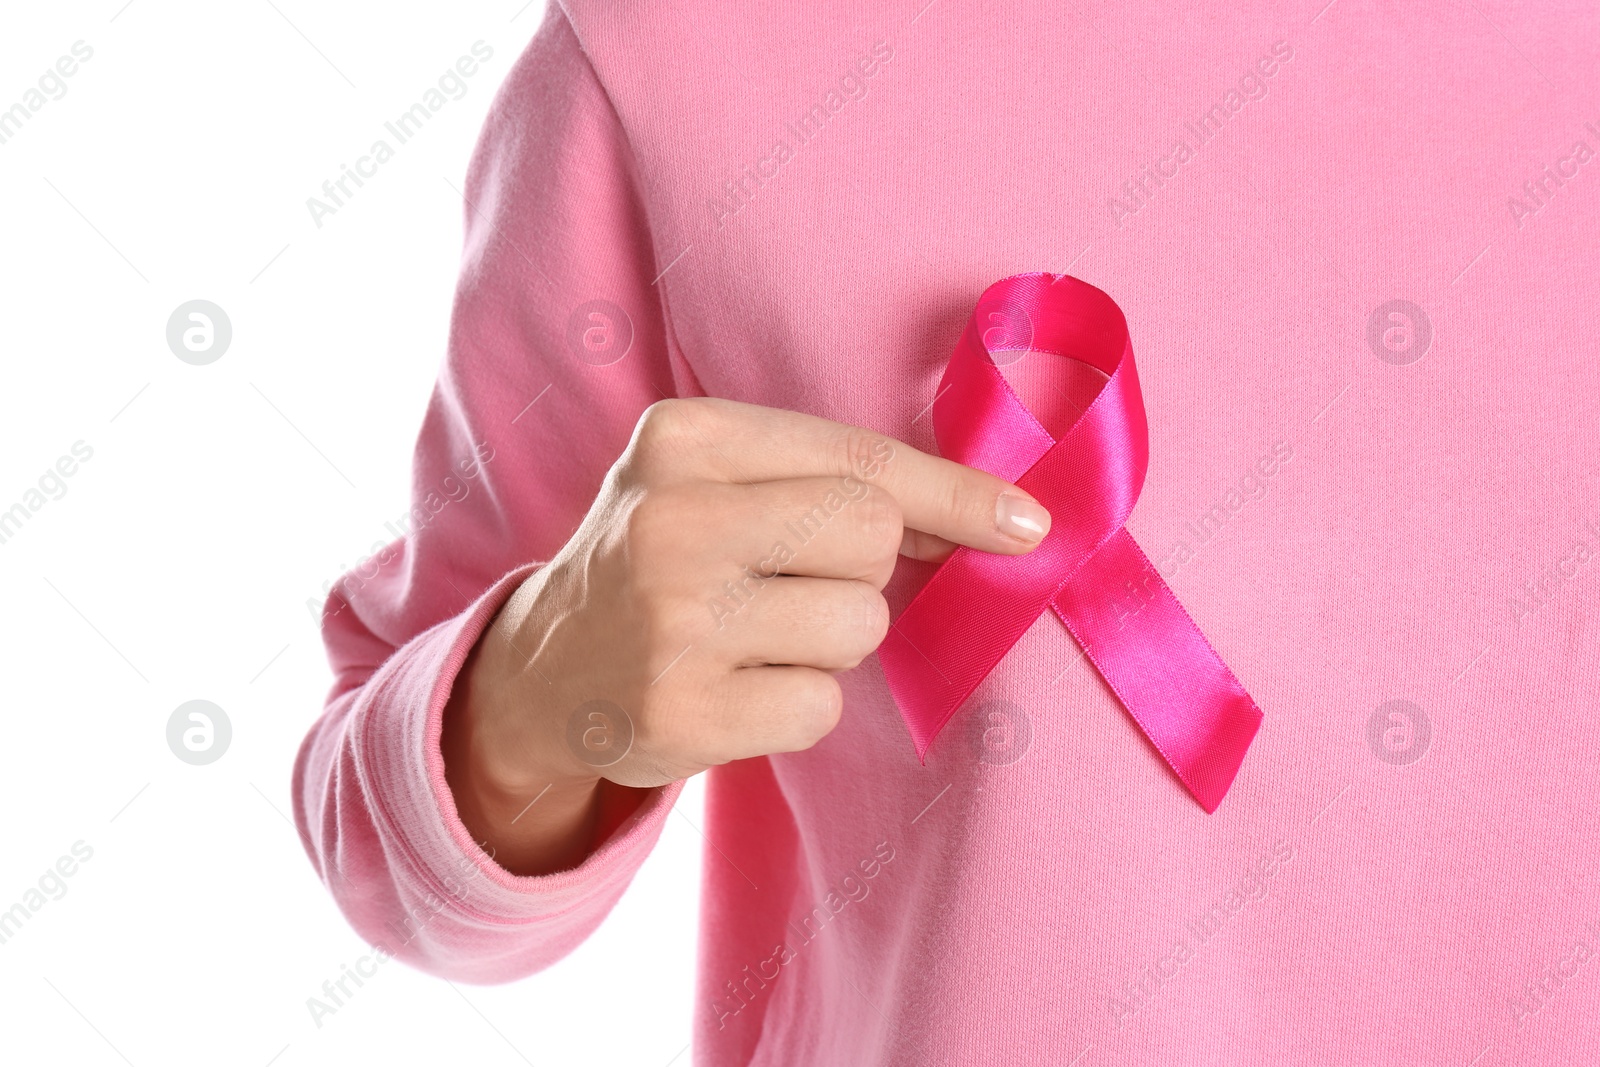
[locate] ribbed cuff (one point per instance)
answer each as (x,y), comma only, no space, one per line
(402,768)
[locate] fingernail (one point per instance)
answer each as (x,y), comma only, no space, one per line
(1024,519)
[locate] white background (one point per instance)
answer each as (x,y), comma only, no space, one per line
(219,499)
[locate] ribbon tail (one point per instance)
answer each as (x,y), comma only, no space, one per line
(1161,667)
(957,629)
(931,675)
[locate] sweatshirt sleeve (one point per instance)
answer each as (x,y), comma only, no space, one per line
(557,344)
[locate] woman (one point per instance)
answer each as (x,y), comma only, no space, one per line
(1353,248)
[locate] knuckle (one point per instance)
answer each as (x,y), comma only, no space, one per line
(868,624)
(821,703)
(966,507)
(865,451)
(663,522)
(875,615)
(651,527)
(661,422)
(953,501)
(882,522)
(672,438)
(666,429)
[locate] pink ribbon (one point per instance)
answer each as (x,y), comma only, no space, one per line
(1087,468)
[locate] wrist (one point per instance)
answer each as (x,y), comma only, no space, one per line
(508,734)
(523,797)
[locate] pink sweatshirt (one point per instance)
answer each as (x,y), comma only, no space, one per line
(1358,248)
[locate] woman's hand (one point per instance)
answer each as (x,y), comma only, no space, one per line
(733,560)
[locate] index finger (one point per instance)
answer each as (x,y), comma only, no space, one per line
(961,504)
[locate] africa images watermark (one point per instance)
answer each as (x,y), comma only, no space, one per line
(52,85)
(1537,993)
(756,977)
(1539,191)
(738,192)
(1253,485)
(1556,577)
(1140,189)
(1254,885)
(852,488)
(52,485)
(337,191)
(337,992)
(51,885)
(423,511)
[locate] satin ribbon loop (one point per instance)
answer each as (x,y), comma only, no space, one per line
(1081,450)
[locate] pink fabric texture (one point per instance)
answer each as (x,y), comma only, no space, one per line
(1356,248)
